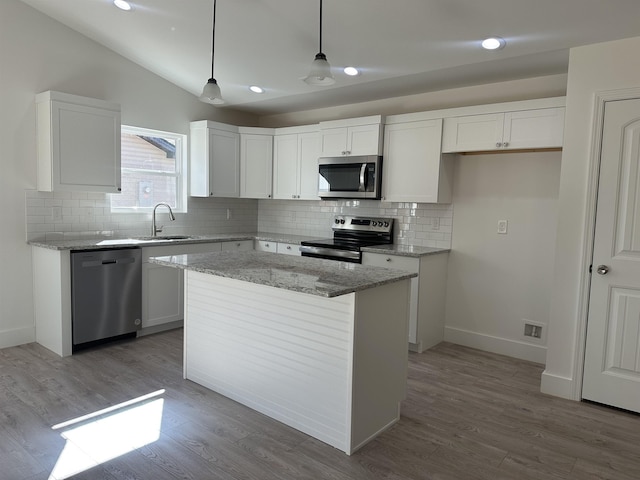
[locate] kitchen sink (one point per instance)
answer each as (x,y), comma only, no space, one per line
(160,238)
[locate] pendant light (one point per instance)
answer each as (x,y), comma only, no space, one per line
(211,91)
(320,73)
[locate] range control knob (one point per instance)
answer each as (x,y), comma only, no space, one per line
(386,224)
(342,221)
(374,223)
(337,221)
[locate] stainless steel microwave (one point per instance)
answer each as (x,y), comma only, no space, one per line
(357,176)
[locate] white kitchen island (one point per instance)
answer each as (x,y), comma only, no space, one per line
(316,344)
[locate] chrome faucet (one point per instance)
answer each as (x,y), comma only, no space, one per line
(154,230)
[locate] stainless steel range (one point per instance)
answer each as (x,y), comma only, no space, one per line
(350,234)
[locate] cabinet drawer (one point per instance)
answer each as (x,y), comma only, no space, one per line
(288,248)
(239,245)
(266,246)
(408,264)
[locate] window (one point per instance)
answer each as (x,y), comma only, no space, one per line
(153,170)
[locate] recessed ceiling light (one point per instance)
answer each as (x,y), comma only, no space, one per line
(351,71)
(256,89)
(493,43)
(122,5)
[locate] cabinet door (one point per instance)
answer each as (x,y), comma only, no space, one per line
(364,140)
(473,133)
(285,166)
(541,128)
(412,163)
(224,160)
(162,292)
(84,153)
(408,265)
(288,249)
(333,142)
(308,153)
(266,246)
(240,245)
(256,163)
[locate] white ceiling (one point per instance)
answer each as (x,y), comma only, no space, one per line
(402,46)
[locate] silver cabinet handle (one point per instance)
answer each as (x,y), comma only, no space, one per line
(602,269)
(505,144)
(388,259)
(498,144)
(288,247)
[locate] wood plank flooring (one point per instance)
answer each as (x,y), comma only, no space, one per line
(468,415)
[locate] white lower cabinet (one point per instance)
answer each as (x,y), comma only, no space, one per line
(277,247)
(238,245)
(162,287)
(288,248)
(427,302)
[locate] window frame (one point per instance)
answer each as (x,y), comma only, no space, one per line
(181,173)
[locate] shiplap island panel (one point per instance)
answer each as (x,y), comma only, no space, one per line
(316,344)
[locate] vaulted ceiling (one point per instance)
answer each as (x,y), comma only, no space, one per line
(402,46)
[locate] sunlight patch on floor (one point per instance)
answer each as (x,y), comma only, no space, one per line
(107,434)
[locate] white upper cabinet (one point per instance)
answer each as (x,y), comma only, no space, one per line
(256,162)
(214,160)
(295,163)
(537,128)
(413,167)
(356,136)
(78,143)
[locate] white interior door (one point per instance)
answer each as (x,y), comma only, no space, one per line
(612,356)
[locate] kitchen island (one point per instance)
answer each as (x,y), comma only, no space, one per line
(317,344)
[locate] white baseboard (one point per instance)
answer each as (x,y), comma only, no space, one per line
(502,346)
(17,336)
(557,386)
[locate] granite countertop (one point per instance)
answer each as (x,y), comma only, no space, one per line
(405,250)
(325,278)
(110,242)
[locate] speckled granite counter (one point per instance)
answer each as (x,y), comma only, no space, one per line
(405,250)
(97,243)
(325,278)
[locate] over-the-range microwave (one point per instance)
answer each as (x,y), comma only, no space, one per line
(357,176)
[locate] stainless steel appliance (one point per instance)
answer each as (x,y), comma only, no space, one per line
(350,234)
(350,177)
(106,295)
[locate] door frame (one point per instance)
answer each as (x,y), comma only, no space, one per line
(600,100)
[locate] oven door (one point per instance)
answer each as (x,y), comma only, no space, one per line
(349,177)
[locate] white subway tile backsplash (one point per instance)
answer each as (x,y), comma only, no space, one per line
(82,214)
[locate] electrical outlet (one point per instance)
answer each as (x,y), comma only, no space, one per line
(533,330)
(502,226)
(56,214)
(435,223)
(229,214)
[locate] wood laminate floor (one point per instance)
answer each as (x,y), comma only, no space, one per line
(468,415)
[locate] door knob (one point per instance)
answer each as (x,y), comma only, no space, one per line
(602,270)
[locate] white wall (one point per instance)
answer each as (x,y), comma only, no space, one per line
(592,69)
(40,54)
(495,281)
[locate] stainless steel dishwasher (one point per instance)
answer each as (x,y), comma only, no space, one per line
(106,295)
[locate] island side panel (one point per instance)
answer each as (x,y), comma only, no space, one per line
(380,360)
(282,353)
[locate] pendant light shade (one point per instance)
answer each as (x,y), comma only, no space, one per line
(211,91)
(320,73)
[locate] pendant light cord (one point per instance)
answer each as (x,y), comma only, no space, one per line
(320,26)
(213,36)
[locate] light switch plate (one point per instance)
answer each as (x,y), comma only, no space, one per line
(502,226)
